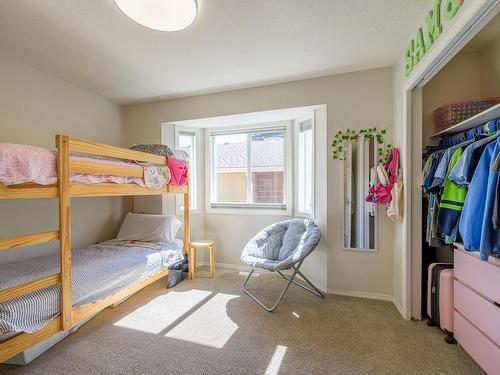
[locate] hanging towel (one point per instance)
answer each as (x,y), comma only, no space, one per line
(178,171)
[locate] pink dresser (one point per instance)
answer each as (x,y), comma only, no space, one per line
(477,309)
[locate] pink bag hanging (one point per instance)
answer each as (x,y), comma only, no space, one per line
(178,171)
(380,194)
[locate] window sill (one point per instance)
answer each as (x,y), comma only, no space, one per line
(248,211)
(302,215)
(191,211)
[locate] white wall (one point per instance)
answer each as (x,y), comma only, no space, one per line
(354,100)
(34,107)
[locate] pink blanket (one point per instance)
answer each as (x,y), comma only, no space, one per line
(25,163)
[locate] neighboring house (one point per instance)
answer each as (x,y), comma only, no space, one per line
(267,171)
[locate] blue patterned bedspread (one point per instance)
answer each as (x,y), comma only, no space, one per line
(98,272)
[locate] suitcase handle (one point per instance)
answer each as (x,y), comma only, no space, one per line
(497,304)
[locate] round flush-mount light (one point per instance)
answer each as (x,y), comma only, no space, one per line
(161,15)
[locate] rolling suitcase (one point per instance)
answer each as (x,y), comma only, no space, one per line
(440,298)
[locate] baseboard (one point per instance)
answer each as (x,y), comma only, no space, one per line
(398,306)
(237,267)
(355,293)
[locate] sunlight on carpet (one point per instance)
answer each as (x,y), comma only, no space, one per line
(276,360)
(209,325)
(162,311)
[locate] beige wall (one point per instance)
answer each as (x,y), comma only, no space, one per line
(468,75)
(460,79)
(354,100)
(34,107)
(491,69)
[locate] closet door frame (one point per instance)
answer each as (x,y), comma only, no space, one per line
(470,22)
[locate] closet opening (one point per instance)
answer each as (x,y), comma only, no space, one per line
(465,70)
(460,116)
(455,200)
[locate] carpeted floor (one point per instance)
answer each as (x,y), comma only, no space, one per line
(208,326)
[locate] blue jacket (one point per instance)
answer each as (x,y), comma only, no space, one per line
(476,218)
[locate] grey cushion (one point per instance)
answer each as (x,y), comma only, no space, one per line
(282,244)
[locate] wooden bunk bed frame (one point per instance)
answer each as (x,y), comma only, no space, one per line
(65,190)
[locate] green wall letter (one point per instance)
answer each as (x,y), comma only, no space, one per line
(451,8)
(409,60)
(419,45)
(433,21)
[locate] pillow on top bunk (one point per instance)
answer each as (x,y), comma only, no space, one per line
(156,149)
(154,228)
(162,150)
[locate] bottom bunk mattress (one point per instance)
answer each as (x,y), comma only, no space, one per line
(98,271)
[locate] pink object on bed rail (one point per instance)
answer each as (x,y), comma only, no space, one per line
(24,163)
(178,171)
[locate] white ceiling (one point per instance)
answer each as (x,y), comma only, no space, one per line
(232,43)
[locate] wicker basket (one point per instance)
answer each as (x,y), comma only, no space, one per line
(454,113)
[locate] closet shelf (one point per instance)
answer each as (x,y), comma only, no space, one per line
(481,118)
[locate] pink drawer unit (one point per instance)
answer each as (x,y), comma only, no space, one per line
(481,276)
(479,347)
(480,312)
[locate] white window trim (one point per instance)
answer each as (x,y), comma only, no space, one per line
(196,177)
(252,209)
(307,215)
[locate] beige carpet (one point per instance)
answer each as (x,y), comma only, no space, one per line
(208,326)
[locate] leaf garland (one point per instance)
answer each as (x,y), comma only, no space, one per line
(348,135)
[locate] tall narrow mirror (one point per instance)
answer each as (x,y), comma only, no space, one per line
(360,162)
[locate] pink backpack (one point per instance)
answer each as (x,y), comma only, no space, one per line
(380,194)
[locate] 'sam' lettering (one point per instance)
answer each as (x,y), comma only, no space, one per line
(417,48)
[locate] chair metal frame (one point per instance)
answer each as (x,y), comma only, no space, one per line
(291,280)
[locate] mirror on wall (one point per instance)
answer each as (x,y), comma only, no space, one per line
(360,162)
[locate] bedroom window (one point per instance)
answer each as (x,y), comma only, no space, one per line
(304,171)
(186,140)
(248,168)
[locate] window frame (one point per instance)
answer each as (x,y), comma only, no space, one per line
(284,209)
(194,164)
(296,127)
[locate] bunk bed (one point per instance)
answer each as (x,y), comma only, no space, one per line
(64,189)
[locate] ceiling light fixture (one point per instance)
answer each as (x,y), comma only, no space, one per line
(161,15)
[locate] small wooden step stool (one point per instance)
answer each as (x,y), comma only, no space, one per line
(193,247)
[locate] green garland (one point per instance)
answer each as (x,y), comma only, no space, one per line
(348,135)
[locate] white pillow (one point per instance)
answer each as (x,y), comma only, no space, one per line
(155,228)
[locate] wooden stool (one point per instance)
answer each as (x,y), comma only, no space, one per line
(193,246)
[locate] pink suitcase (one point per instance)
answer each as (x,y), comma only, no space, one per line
(440,298)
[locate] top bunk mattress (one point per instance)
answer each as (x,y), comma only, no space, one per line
(98,271)
(25,163)
(31,164)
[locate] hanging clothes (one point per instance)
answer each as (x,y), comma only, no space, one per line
(442,168)
(496,206)
(451,204)
(464,169)
(462,185)
(473,213)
